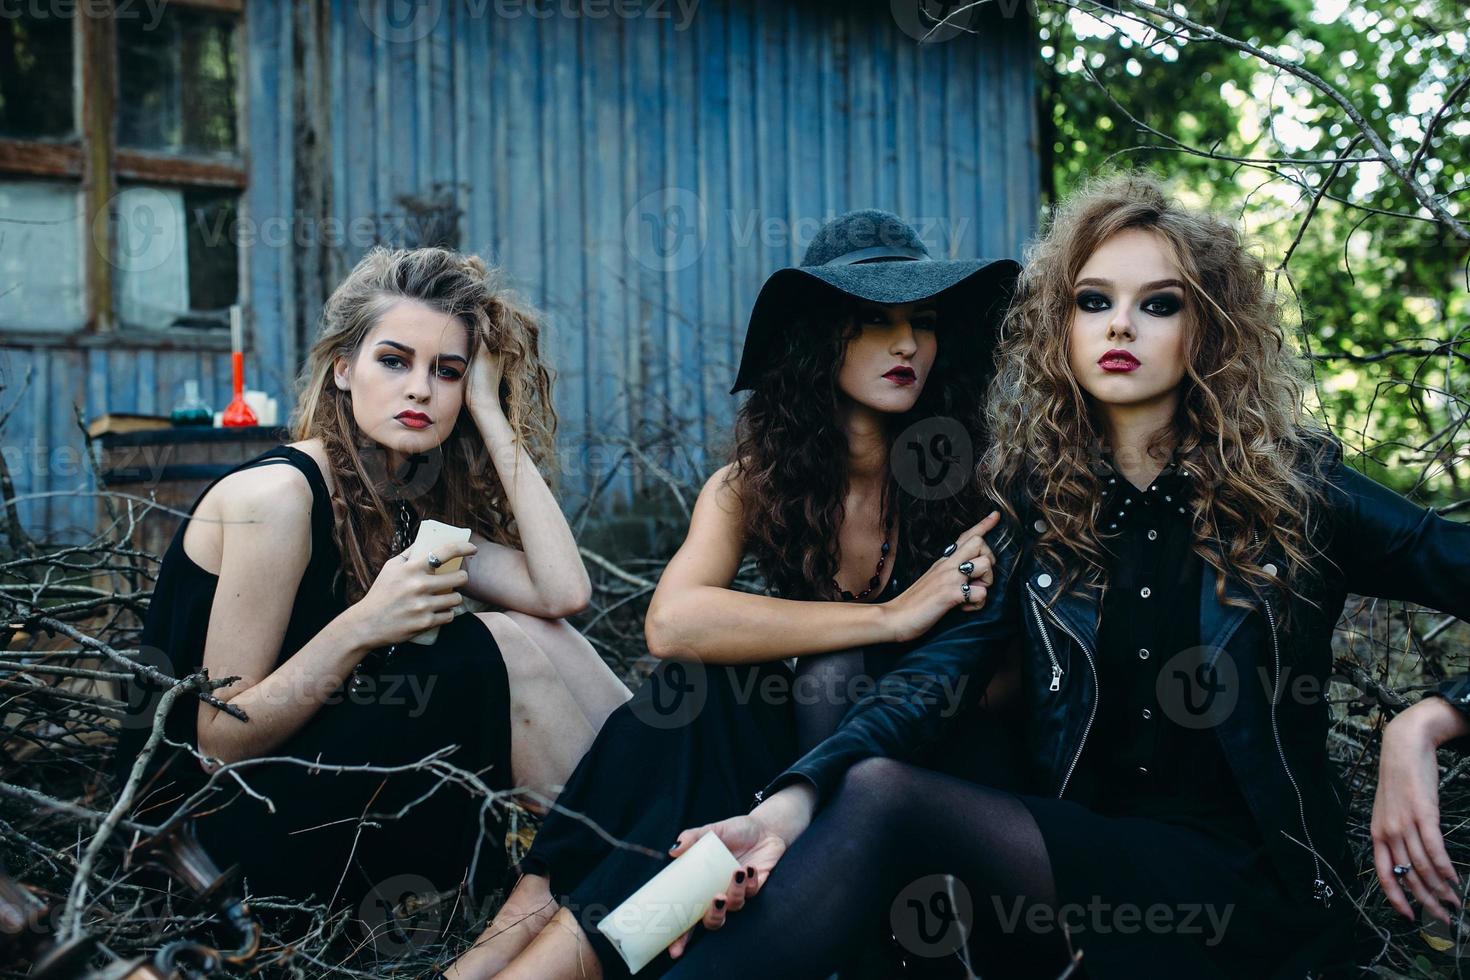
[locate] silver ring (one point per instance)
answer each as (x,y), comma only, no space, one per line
(434,560)
(948,550)
(966,567)
(966,590)
(1399,870)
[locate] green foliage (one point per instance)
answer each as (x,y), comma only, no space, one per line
(1371,272)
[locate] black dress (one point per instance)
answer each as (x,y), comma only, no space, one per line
(692,746)
(339,837)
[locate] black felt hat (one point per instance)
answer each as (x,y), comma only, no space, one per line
(875,256)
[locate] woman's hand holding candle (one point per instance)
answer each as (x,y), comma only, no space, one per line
(757,840)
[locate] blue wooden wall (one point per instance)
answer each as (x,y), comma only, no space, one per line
(566,142)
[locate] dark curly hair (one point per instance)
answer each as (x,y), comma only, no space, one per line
(790,454)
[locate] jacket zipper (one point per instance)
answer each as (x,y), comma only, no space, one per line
(1056,668)
(1056,676)
(1320,889)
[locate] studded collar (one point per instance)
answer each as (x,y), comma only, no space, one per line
(1167,496)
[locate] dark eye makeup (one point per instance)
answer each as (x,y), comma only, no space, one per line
(1158,304)
(1162,304)
(393,362)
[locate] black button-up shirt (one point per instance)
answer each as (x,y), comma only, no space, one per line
(1150,753)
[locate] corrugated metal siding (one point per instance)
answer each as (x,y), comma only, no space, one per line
(549,133)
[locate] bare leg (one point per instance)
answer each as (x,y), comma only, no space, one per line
(596,691)
(593,685)
(560,952)
(548,732)
(525,913)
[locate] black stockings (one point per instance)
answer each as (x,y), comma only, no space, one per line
(822,692)
(881,852)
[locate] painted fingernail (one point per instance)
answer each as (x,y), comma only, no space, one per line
(739,877)
(719,903)
(750,871)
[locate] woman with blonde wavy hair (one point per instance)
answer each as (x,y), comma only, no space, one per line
(1179,543)
(295,578)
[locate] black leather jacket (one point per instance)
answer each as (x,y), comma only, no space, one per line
(1457,692)
(1379,544)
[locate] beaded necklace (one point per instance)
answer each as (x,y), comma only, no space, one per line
(877,573)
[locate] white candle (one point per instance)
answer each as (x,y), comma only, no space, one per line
(670,903)
(433,534)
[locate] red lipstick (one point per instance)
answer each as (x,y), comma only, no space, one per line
(1118,360)
(901,374)
(414,420)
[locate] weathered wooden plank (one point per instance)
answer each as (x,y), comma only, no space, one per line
(748,264)
(37,438)
(932,146)
(806,37)
(267,210)
(716,308)
(564,139)
(166,169)
(608,249)
(688,408)
(19,398)
(40,159)
(68,513)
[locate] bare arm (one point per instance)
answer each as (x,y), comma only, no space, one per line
(546,578)
(266,519)
(695,613)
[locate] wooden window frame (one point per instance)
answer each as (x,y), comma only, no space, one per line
(98,164)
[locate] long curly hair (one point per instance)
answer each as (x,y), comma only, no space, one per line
(790,451)
(462,486)
(1240,428)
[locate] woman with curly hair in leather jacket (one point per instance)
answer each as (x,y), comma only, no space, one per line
(1180,541)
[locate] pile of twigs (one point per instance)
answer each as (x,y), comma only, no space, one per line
(71,617)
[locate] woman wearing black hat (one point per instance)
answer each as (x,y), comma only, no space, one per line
(849,489)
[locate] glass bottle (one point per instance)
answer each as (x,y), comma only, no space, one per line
(191,409)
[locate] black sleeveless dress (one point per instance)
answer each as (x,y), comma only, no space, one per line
(692,746)
(355,839)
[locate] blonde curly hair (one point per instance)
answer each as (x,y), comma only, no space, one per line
(467,490)
(1240,426)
